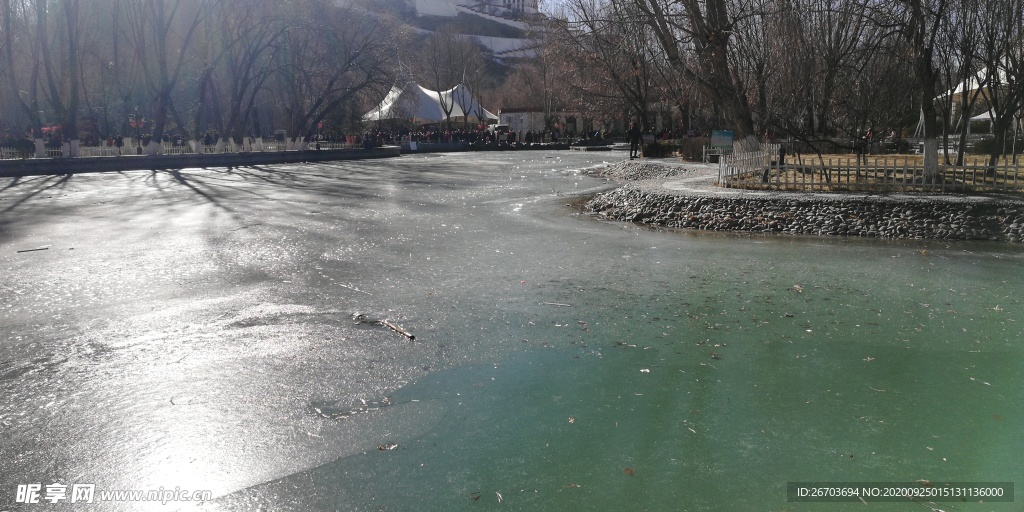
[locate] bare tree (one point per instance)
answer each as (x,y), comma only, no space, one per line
(446,58)
(696,37)
(758,55)
(61,66)
(23,63)
(583,81)
(482,82)
(250,33)
(843,45)
(541,83)
(96,69)
(839,73)
(1003,55)
(162,31)
(920,24)
(329,60)
(961,70)
(611,44)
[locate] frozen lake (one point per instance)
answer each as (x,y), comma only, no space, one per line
(194,329)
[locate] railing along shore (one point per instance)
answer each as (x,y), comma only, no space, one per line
(762,170)
(8,153)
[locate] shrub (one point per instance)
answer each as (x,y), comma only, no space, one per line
(690,148)
(657,150)
(23,147)
(986,146)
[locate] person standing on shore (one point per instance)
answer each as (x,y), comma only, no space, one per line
(634,140)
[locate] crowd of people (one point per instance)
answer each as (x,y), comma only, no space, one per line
(469,136)
(474,135)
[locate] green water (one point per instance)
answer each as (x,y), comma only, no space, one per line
(673,372)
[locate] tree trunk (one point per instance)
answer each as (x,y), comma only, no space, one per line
(962,146)
(71,121)
(921,33)
(1001,128)
(931,140)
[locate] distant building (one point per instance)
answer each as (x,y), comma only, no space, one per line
(521,120)
(451,8)
(524,6)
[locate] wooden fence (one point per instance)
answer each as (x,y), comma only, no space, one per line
(762,171)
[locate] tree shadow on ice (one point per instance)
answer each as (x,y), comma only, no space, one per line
(35,186)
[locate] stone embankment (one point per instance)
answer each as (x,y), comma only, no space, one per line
(680,197)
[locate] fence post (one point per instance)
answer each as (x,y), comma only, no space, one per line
(827,175)
(903,184)
(721,181)
(885,175)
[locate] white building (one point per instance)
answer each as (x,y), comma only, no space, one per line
(525,6)
(521,120)
(450,8)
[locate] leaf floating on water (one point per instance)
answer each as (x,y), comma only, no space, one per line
(629,471)
(474,495)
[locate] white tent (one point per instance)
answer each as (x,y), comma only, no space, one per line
(973,83)
(987,116)
(424,105)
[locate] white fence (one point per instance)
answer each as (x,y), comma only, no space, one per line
(7,153)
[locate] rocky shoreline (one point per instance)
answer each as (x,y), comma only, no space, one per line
(684,196)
